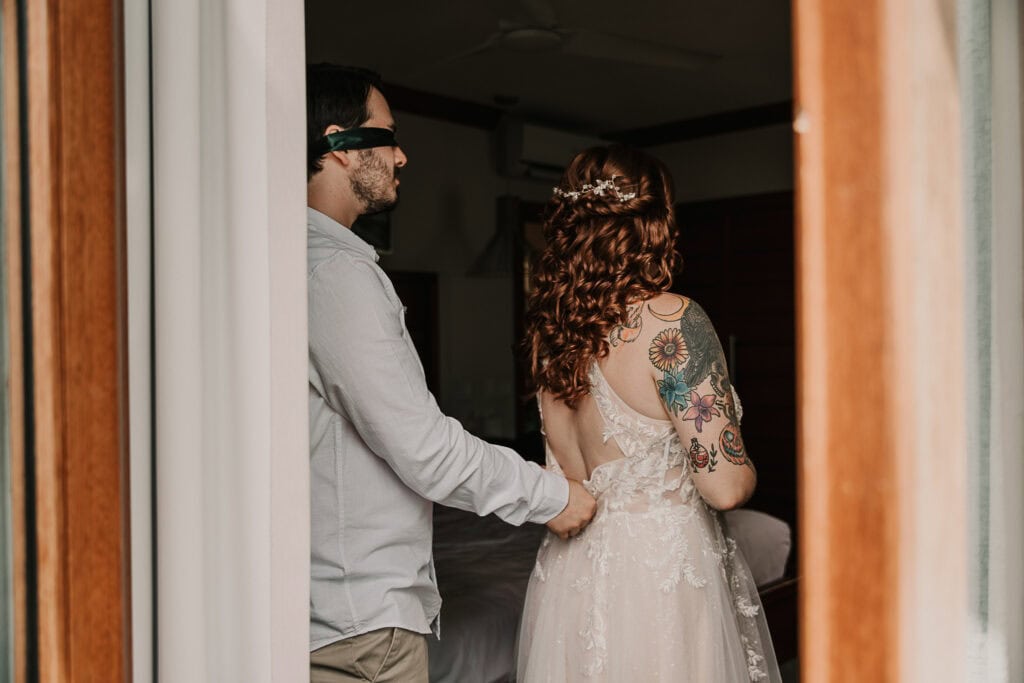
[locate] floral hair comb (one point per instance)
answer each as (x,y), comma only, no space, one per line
(598,188)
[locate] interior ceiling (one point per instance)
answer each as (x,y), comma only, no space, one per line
(411,44)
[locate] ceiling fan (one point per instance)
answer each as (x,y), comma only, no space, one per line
(540,31)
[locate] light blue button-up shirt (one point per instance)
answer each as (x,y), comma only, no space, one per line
(381,450)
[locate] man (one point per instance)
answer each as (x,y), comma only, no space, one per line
(381,450)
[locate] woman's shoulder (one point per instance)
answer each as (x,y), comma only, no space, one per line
(659,329)
(646,317)
(667,306)
(651,314)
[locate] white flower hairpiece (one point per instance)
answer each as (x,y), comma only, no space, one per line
(597,188)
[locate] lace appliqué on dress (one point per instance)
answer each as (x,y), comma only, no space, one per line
(648,497)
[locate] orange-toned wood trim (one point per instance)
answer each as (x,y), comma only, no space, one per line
(75,144)
(849,524)
(13,317)
(881,332)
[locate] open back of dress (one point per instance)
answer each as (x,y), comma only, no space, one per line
(653,589)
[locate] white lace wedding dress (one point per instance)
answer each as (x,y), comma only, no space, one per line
(653,589)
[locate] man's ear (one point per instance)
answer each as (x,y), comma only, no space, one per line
(341,156)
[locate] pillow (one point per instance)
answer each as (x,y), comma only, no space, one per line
(765,542)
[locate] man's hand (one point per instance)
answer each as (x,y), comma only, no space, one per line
(577,513)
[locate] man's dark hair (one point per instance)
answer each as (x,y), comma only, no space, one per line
(334,95)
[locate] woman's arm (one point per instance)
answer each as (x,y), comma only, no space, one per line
(689,369)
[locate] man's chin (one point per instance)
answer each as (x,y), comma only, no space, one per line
(381,207)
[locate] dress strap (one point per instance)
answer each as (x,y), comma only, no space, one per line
(739,404)
(540,414)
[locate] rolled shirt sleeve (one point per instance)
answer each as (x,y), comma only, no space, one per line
(365,366)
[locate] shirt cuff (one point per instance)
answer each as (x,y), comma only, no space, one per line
(554,493)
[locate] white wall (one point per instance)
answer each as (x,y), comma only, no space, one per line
(448,213)
(745,163)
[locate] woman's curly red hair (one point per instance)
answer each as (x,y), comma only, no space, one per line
(602,255)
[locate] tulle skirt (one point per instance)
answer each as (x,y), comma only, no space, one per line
(653,595)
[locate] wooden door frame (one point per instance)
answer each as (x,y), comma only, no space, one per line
(66,261)
(880,341)
(840,230)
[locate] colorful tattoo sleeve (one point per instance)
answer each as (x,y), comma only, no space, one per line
(694,385)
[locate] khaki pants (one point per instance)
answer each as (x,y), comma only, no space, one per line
(388,655)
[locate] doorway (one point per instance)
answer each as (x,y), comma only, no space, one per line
(879,236)
(488,131)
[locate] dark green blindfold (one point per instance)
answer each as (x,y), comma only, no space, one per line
(354,138)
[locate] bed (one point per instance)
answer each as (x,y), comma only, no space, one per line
(483,567)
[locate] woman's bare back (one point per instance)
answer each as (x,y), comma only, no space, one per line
(664,363)
(575,436)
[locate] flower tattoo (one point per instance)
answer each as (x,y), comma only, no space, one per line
(673,391)
(668,350)
(702,409)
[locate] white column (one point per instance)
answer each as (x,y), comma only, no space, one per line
(230,323)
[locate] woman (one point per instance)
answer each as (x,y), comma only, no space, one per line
(635,401)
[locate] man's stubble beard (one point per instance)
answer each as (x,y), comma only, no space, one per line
(373,184)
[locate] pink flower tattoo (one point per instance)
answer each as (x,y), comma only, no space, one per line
(701,409)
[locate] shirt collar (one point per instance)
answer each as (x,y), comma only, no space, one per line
(326,225)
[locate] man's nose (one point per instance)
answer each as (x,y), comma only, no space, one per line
(400,158)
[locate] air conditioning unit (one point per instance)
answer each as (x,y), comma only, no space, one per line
(532,151)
